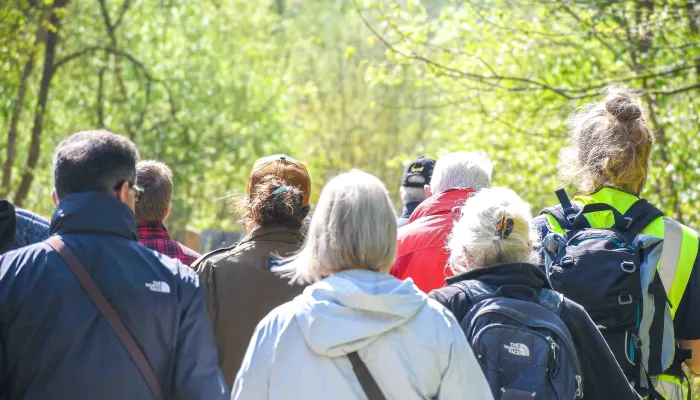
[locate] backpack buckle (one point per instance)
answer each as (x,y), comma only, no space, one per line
(628,267)
(567,261)
(628,222)
(624,298)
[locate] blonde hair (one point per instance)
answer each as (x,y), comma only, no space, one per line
(353,227)
(475,241)
(610,145)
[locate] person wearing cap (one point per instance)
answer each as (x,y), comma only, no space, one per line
(239,287)
(421,252)
(412,190)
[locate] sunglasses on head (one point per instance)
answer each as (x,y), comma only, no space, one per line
(138,190)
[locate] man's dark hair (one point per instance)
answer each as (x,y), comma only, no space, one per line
(94,161)
(156,179)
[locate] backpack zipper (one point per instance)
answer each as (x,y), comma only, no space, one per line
(572,352)
(552,345)
(611,240)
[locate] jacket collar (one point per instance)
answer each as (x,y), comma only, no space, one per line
(409,208)
(276,233)
(8,225)
(443,203)
(152,230)
(93,212)
(506,274)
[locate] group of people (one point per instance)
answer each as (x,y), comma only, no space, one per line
(464,296)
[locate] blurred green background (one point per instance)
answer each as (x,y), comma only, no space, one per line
(208,86)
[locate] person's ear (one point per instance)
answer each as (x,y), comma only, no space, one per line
(428,192)
(167,214)
(123,192)
(54,197)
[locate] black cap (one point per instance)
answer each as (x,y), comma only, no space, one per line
(418,173)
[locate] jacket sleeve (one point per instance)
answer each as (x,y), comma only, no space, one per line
(197,374)
(463,372)
(252,381)
(207,279)
(3,373)
(400,266)
(602,376)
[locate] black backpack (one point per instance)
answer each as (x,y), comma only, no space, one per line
(612,274)
(521,343)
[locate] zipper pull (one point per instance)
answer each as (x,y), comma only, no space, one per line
(555,368)
(579,388)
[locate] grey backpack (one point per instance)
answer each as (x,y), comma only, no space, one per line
(523,347)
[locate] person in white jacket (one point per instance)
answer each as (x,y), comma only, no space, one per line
(412,346)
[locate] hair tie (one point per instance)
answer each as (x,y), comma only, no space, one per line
(504,227)
(279,190)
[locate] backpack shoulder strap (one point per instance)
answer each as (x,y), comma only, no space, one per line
(564,212)
(109,314)
(550,300)
(476,291)
(369,385)
(640,215)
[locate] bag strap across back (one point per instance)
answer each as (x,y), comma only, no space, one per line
(108,312)
(369,385)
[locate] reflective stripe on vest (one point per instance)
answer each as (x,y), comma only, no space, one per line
(671,255)
(670,387)
(689,251)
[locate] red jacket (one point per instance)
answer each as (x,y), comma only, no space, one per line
(420,252)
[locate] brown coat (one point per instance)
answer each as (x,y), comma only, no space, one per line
(240,290)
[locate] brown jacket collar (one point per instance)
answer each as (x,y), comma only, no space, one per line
(277,233)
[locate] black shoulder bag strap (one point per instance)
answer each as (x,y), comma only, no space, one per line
(108,312)
(369,385)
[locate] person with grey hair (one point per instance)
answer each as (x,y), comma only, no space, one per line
(491,253)
(356,317)
(421,253)
(415,177)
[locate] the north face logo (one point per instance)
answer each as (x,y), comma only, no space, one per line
(158,286)
(518,349)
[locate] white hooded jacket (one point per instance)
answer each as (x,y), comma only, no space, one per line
(413,347)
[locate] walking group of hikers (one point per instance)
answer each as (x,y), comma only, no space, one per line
(592,299)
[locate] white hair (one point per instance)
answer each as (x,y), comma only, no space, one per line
(475,242)
(409,194)
(461,170)
(354,226)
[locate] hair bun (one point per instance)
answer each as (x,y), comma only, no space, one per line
(623,105)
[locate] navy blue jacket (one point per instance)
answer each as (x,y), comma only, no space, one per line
(408,210)
(54,344)
(31,229)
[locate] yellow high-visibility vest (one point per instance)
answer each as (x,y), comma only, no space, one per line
(675,280)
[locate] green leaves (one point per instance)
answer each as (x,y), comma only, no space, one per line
(210,87)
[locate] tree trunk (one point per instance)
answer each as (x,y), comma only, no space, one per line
(51,43)
(14,122)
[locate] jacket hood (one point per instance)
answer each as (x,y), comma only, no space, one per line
(506,274)
(95,212)
(8,225)
(351,309)
(442,203)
